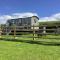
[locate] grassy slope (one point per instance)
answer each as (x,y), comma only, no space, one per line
(10,50)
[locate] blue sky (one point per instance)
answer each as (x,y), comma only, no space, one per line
(42,7)
(47,10)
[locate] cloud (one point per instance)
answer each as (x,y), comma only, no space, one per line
(23,15)
(54,17)
(4,18)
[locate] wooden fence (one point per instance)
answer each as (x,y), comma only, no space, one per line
(30,29)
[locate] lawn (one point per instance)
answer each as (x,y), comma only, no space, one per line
(40,49)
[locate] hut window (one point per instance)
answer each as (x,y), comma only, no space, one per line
(35,20)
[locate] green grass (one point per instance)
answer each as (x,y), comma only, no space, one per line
(40,49)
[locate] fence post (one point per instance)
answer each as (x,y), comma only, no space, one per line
(0,31)
(14,28)
(33,32)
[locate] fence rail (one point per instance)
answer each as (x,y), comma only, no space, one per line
(16,30)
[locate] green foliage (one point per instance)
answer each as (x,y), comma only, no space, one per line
(50,23)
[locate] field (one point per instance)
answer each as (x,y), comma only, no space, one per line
(27,49)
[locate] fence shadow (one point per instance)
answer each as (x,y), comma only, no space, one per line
(33,42)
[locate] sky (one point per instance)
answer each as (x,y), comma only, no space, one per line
(43,8)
